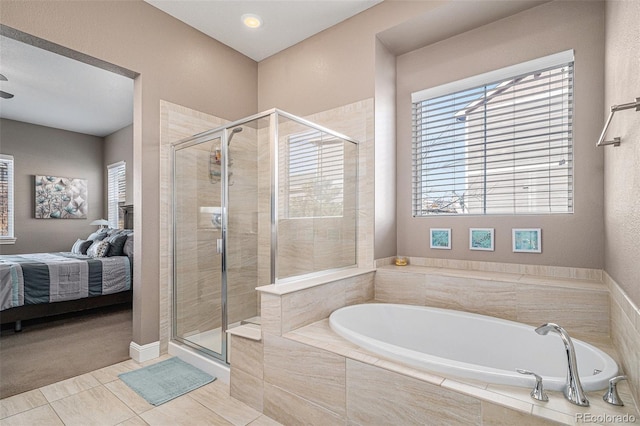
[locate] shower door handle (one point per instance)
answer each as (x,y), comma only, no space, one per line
(219,246)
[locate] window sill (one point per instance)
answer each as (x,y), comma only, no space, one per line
(7,240)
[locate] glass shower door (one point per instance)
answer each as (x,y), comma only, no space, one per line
(199,292)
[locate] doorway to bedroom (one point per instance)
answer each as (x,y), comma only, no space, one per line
(60,120)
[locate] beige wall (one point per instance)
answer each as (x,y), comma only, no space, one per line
(621,165)
(332,68)
(118,146)
(570,239)
(41,150)
(175,63)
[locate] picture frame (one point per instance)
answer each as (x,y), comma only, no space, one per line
(481,239)
(440,238)
(60,197)
(526,240)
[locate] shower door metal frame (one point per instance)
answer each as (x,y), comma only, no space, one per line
(273,114)
(224,197)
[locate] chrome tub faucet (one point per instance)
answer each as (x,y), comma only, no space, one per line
(573,391)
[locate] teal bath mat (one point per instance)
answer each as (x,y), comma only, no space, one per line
(165,380)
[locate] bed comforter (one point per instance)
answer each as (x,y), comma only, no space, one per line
(29,279)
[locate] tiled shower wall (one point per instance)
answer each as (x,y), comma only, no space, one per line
(313,244)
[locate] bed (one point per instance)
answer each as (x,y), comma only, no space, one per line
(96,272)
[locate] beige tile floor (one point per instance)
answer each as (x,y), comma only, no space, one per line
(101,398)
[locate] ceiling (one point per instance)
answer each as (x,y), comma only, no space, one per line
(56,91)
(284,22)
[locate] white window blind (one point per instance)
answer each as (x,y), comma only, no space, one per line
(505,147)
(6,199)
(116,188)
(315,175)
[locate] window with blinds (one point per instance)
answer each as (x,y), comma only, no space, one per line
(504,147)
(6,199)
(315,168)
(116,197)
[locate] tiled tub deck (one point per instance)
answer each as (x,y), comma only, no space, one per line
(302,372)
(381,391)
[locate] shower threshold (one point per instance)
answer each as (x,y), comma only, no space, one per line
(216,368)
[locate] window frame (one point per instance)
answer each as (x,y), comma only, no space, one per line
(476,82)
(10,237)
(121,187)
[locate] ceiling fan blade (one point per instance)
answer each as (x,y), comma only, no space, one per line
(5,95)
(3,78)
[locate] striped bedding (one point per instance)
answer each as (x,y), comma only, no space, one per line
(29,279)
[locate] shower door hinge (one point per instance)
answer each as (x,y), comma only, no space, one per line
(219,246)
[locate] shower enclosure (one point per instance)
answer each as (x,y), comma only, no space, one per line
(263,200)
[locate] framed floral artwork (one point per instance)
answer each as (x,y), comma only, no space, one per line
(60,198)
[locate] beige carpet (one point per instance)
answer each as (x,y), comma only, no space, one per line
(47,351)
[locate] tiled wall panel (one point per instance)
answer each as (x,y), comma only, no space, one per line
(293,366)
(377,396)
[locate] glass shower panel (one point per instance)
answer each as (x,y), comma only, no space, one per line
(248,227)
(198,298)
(316,200)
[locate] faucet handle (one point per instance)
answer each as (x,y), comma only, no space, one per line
(611,396)
(538,392)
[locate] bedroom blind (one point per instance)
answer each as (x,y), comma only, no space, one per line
(315,175)
(505,147)
(6,199)
(116,183)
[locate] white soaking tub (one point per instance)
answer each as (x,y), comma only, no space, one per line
(469,345)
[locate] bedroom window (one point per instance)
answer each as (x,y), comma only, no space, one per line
(499,143)
(6,200)
(315,175)
(116,187)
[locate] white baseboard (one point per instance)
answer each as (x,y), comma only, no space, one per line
(142,353)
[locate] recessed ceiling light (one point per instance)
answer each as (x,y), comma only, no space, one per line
(251,20)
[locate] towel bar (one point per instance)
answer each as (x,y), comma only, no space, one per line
(616,141)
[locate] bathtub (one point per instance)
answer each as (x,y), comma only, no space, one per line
(468,345)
